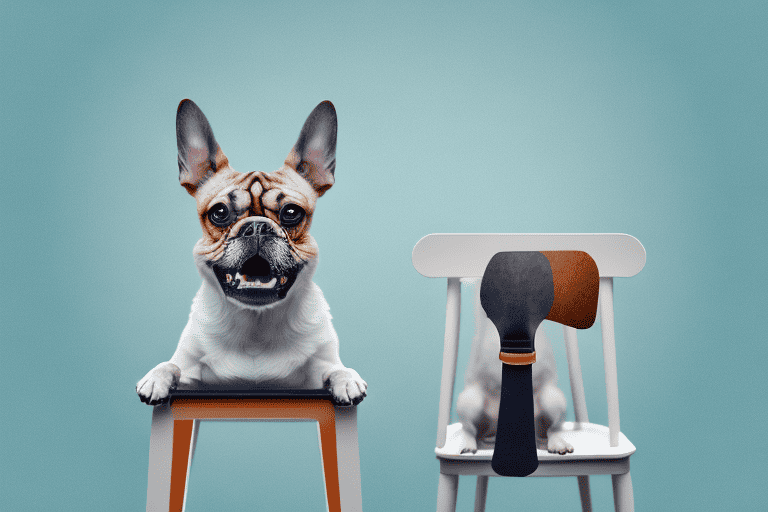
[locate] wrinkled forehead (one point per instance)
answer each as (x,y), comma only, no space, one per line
(256,190)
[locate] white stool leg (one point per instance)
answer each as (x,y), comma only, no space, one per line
(584,493)
(481,492)
(623,498)
(348,459)
(447,490)
(160,455)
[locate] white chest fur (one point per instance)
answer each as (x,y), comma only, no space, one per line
(274,346)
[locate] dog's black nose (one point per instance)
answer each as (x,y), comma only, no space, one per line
(256,228)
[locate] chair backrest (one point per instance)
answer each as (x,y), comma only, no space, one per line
(456,256)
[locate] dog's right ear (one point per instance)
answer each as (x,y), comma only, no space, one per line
(199,154)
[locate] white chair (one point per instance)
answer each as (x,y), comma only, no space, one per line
(175,427)
(598,450)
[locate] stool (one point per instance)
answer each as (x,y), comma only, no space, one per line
(175,426)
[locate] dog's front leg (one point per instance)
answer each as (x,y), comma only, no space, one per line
(160,381)
(157,384)
(344,383)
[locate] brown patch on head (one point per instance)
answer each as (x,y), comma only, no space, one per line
(280,189)
(230,189)
(205,169)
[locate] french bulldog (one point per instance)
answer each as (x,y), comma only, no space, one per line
(478,404)
(258,320)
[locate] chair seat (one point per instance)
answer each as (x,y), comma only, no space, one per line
(592,454)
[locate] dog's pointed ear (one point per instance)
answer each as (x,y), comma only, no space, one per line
(314,155)
(199,154)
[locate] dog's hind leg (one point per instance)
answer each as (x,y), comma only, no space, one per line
(550,407)
(469,408)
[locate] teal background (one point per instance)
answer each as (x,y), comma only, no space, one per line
(555,116)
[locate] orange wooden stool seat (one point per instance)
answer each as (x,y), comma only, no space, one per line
(175,426)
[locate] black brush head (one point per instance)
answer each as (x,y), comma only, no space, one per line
(516,293)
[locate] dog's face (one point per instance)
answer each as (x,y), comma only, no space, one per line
(256,237)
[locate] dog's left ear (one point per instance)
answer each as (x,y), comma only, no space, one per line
(314,155)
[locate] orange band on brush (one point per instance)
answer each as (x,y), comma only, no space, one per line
(518,359)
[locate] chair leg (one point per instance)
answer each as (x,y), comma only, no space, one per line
(447,490)
(182,443)
(192,446)
(169,446)
(584,493)
(193,443)
(623,498)
(328,449)
(481,492)
(160,455)
(348,458)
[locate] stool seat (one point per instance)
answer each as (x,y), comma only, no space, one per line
(175,426)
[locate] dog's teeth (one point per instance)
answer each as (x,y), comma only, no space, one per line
(270,284)
(229,278)
(254,284)
(283,280)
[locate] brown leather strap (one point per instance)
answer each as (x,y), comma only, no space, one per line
(518,359)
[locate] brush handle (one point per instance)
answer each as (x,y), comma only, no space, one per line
(515,451)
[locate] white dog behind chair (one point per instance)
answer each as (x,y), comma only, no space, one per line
(478,404)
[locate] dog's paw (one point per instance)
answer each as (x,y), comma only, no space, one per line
(156,386)
(556,444)
(346,386)
(468,442)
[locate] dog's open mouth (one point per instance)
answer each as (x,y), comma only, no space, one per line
(255,273)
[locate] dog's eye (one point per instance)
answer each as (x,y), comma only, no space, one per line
(219,215)
(291,215)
